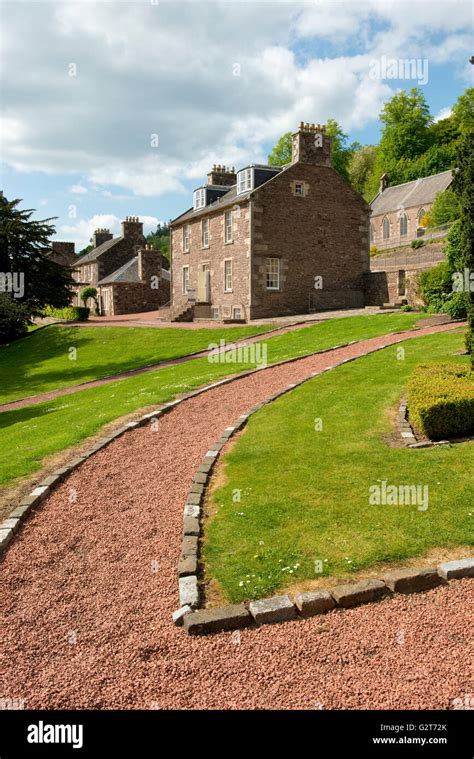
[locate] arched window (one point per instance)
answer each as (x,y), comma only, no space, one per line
(403,225)
(420,215)
(372,233)
(386,228)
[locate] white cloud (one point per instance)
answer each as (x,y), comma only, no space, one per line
(444,113)
(78,189)
(82,230)
(168,69)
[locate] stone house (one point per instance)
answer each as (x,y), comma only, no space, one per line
(128,274)
(267,241)
(62,253)
(397,211)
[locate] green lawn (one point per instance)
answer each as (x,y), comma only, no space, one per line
(42,361)
(305,493)
(32,433)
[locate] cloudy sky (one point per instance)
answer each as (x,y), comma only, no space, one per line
(120,107)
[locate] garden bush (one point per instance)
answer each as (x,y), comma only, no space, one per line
(14,319)
(441,400)
(70,313)
(418,243)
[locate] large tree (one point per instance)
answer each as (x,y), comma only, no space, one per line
(463,186)
(361,168)
(24,244)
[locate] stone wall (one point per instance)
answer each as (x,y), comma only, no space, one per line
(322,233)
(133,297)
(214,255)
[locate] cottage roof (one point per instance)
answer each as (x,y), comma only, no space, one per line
(97,252)
(231,197)
(127,273)
(417,193)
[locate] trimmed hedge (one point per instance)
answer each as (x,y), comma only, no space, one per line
(70,313)
(441,400)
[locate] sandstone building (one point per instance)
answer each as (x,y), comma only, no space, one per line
(267,241)
(127,274)
(397,211)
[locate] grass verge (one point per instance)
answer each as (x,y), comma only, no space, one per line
(57,357)
(305,509)
(32,433)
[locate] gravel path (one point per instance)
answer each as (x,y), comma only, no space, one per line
(89,586)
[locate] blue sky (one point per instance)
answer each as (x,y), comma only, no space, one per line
(112,109)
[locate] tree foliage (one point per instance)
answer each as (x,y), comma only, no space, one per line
(445,209)
(24,244)
(160,240)
(463,186)
(281,153)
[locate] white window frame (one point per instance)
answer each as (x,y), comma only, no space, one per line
(199,198)
(299,189)
(237,308)
(269,265)
(227,287)
(186,238)
(245,180)
(205,233)
(228,227)
(215,312)
(185,279)
(105,299)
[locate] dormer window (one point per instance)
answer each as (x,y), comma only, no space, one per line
(199,198)
(244,180)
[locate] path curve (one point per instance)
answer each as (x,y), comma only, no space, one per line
(89,587)
(32,400)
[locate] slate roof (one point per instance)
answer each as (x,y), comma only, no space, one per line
(127,273)
(94,254)
(417,193)
(230,197)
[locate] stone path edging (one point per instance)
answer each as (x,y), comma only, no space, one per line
(408,435)
(198,620)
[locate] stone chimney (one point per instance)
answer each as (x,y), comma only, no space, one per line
(222,175)
(149,264)
(100,236)
(311,144)
(384,182)
(132,228)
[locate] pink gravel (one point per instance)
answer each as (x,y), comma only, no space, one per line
(89,587)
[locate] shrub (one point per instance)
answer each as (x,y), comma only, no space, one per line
(373,250)
(453,247)
(70,313)
(417,243)
(14,319)
(435,285)
(446,208)
(456,305)
(407,307)
(441,400)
